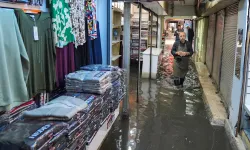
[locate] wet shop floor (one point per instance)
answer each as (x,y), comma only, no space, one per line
(165,119)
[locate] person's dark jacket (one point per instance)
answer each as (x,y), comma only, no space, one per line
(175,49)
(190,34)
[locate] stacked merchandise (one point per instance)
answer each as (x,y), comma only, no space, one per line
(52,126)
(153,33)
(118,78)
(25,135)
(93,111)
(135,38)
(15,114)
(70,121)
(96,82)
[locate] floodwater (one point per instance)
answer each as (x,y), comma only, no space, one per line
(166,119)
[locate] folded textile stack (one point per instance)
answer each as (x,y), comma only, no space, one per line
(77,127)
(115,71)
(64,110)
(115,93)
(15,113)
(4,120)
(61,108)
(96,82)
(79,143)
(118,80)
(25,135)
(94,111)
(94,126)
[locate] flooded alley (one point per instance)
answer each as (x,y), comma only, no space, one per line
(166,118)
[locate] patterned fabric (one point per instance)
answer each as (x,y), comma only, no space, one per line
(61,21)
(78,21)
(91,18)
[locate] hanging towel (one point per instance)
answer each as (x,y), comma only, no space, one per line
(14,62)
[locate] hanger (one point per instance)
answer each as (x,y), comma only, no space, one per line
(26,8)
(31,11)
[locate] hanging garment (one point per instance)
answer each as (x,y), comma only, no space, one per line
(90,8)
(61,21)
(82,52)
(14,62)
(90,50)
(41,50)
(77,15)
(96,47)
(81,56)
(65,63)
(121,53)
(89,43)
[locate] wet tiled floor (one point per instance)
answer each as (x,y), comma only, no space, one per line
(165,119)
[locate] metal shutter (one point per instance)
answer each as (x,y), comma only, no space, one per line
(197,36)
(201,39)
(210,42)
(218,47)
(228,56)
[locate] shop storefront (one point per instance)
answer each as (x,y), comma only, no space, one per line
(228,52)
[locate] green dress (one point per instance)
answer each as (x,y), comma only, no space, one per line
(41,52)
(61,21)
(14,62)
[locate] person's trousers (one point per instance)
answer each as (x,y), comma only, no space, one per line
(191,42)
(179,81)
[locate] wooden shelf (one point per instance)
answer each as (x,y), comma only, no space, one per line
(20,6)
(117,10)
(114,58)
(115,42)
(138,38)
(117,26)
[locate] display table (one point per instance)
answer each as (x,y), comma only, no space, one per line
(146,62)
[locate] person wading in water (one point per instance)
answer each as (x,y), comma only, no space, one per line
(182,51)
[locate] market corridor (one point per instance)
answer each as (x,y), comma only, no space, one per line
(164,119)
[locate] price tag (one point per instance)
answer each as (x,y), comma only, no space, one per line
(35,33)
